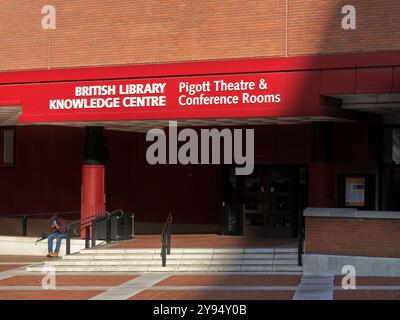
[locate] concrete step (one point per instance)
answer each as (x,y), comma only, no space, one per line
(82,262)
(180,260)
(190,250)
(176,256)
(169,268)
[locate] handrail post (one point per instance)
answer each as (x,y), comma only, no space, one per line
(24,225)
(169,238)
(68,244)
(94,233)
(133,224)
(87,237)
(300,241)
(163,252)
(166,240)
(108,229)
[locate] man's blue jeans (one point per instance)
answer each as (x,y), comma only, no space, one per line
(58,236)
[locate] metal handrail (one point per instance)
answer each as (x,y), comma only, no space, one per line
(87,223)
(107,215)
(91,222)
(166,240)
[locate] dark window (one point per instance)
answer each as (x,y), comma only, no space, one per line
(7,149)
(396,145)
(391,188)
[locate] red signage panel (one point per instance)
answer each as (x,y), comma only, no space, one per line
(253,95)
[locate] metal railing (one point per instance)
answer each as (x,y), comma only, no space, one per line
(24,217)
(300,240)
(89,224)
(166,240)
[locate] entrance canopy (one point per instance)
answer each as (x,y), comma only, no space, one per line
(386,105)
(239,92)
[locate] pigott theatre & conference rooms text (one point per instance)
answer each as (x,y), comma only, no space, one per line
(217,92)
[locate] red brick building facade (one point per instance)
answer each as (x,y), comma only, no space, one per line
(338,120)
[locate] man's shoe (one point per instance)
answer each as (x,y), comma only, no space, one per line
(53,255)
(49,255)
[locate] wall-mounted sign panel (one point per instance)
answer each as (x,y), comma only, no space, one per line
(160,98)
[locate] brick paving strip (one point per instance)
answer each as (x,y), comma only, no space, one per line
(6,259)
(223,287)
(226,287)
(213,295)
(59,288)
(371,281)
(48,294)
(8,267)
(132,287)
(247,280)
(366,295)
(73,281)
(315,288)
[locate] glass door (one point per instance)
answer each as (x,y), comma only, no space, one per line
(391,188)
(254,206)
(232,199)
(266,203)
(281,201)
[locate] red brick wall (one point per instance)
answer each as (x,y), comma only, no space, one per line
(102,32)
(315,26)
(352,237)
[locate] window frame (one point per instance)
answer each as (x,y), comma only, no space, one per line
(7,165)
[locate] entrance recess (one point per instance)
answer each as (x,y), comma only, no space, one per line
(266,203)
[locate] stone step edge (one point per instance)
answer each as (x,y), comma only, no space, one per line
(211,263)
(171,268)
(191,250)
(180,257)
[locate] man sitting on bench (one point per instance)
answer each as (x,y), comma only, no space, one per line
(59,232)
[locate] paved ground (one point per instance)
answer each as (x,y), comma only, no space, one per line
(16,283)
(232,280)
(213,295)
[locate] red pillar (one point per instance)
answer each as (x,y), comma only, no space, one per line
(321,185)
(93,174)
(92,190)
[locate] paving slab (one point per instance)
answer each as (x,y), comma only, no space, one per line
(130,288)
(315,288)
